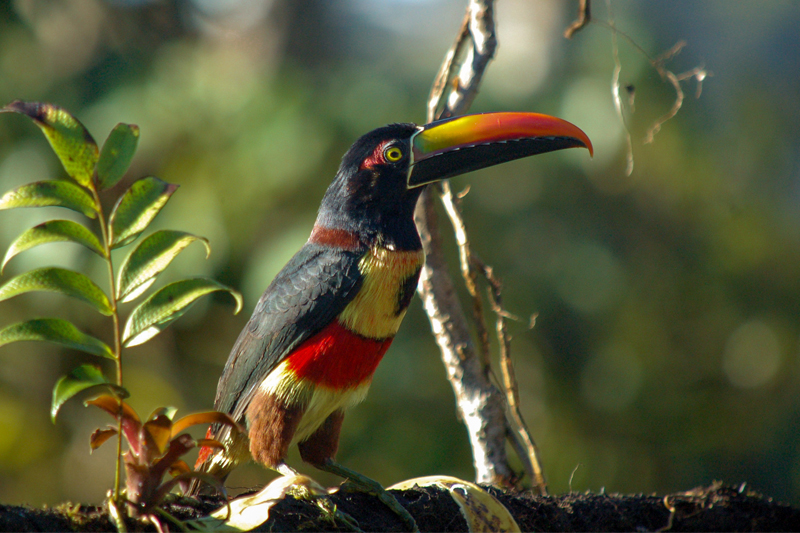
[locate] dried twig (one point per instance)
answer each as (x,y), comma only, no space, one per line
(615,92)
(584,18)
(468,270)
(699,73)
(530,452)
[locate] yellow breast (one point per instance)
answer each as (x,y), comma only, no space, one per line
(379,307)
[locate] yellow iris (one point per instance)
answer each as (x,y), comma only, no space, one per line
(393,154)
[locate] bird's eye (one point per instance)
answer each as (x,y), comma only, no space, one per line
(393,154)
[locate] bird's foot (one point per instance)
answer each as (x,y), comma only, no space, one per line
(285,470)
(361,483)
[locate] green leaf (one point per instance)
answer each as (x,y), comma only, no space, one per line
(116,155)
(59,280)
(137,208)
(149,259)
(84,377)
(54,231)
(167,305)
(70,141)
(57,331)
(58,193)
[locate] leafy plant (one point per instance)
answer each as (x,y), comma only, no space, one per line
(156,445)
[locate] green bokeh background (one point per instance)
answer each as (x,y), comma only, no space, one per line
(665,352)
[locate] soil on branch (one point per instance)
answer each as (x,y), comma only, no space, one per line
(714,508)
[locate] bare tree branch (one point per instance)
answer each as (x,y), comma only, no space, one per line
(481,405)
(456,84)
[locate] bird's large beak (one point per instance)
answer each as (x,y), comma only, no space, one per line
(458,145)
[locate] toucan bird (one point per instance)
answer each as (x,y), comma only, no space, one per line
(322,326)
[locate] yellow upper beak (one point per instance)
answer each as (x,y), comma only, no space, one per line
(458,145)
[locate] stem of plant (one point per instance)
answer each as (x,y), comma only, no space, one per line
(117,341)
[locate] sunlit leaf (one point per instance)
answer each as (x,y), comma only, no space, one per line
(59,280)
(481,510)
(168,304)
(247,512)
(117,516)
(178,467)
(150,258)
(206,417)
(70,141)
(57,331)
(100,436)
(59,193)
(116,155)
(157,433)
(131,424)
(137,208)
(54,231)
(169,412)
(82,378)
(110,404)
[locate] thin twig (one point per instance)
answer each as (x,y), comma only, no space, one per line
(615,92)
(480,404)
(699,73)
(584,18)
(468,270)
(531,457)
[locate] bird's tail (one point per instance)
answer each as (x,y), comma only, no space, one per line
(215,462)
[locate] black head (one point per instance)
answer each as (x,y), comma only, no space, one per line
(370,193)
(382,175)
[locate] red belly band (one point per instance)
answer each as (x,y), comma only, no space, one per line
(337,358)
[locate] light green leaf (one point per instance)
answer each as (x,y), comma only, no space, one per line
(58,193)
(83,378)
(167,305)
(54,231)
(57,331)
(150,258)
(70,141)
(58,280)
(116,155)
(137,208)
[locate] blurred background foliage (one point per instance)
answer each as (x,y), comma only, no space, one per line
(665,351)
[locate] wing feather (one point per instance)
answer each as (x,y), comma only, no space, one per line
(305,296)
